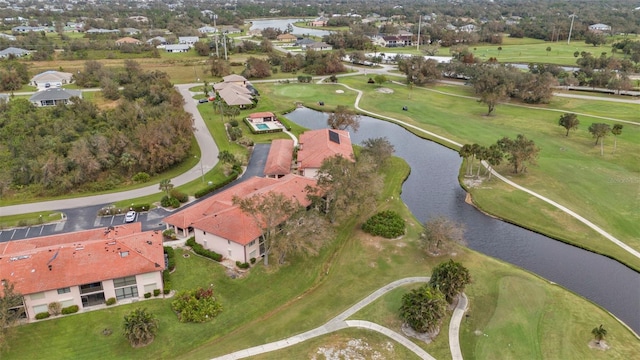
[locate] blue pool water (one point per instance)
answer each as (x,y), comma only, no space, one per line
(262,126)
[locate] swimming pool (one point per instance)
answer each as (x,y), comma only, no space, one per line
(262,126)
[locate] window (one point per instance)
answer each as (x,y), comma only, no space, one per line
(89,288)
(127,292)
(228,242)
(252,254)
(120,282)
(37,296)
(64,290)
(252,243)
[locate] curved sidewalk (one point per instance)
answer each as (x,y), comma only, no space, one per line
(208,159)
(519,187)
(339,322)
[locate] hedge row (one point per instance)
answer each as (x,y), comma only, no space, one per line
(70,310)
(211,188)
(200,250)
(171,257)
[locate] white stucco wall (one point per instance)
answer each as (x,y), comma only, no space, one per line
(226,248)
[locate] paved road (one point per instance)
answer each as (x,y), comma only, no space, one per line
(340,322)
(209,159)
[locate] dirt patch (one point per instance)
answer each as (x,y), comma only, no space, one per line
(354,349)
(385,90)
(602,345)
(425,337)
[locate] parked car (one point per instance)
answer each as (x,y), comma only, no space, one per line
(130,217)
(202,101)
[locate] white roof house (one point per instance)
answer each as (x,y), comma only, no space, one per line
(599,27)
(17,52)
(51,79)
(189,40)
(207,29)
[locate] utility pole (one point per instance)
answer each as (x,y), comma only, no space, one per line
(419,25)
(572,16)
(217,53)
(224,37)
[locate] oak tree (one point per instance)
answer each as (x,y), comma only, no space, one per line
(519,151)
(569,121)
(343,118)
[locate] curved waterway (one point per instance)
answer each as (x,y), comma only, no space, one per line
(281,24)
(432,190)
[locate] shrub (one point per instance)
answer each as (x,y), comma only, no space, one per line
(235,133)
(168,201)
(110,301)
(141,177)
(42,315)
(169,234)
(200,250)
(197,305)
(252,260)
(55,308)
(245,141)
(147,295)
(388,224)
(234,123)
(242,265)
(166,280)
(177,194)
(70,310)
(171,257)
(140,207)
(211,188)
(156,292)
(166,291)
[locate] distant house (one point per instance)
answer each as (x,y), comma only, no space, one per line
(51,79)
(128,40)
(131,31)
(279,159)
(317,145)
(234,91)
(221,226)
(7,37)
(599,28)
(468,28)
(176,48)
(304,42)
(26,29)
(13,51)
(286,38)
(96,31)
(236,79)
(188,40)
(207,30)
(318,22)
(319,46)
(84,268)
(392,41)
(53,97)
(262,117)
(159,40)
(231,30)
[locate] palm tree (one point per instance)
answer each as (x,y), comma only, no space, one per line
(450,278)
(599,333)
(166,186)
(616,130)
(140,327)
(423,309)
(465,152)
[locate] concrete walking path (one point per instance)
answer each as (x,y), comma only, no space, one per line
(340,322)
(208,159)
(519,187)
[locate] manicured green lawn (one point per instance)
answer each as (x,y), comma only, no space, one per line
(268,305)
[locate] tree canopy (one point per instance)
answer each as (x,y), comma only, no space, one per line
(423,309)
(343,118)
(519,151)
(450,278)
(140,327)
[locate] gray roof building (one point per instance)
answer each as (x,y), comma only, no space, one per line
(52,97)
(17,52)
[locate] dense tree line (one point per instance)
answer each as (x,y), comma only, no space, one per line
(77,146)
(13,74)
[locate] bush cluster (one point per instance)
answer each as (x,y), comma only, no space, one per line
(304,79)
(197,305)
(147,295)
(70,310)
(242,265)
(42,315)
(169,234)
(388,224)
(211,188)
(141,177)
(200,250)
(168,201)
(166,281)
(234,123)
(177,194)
(171,257)
(252,260)
(156,292)
(110,301)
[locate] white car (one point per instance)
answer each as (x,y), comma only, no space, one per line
(130,216)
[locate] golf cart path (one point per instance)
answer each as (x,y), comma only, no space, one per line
(209,159)
(340,322)
(519,187)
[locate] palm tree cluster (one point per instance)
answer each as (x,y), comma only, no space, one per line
(140,327)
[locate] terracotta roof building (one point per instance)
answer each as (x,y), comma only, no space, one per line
(128,40)
(84,268)
(279,160)
(317,145)
(221,226)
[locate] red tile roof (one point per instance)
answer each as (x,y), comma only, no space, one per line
(72,259)
(279,158)
(261,115)
(217,215)
(315,146)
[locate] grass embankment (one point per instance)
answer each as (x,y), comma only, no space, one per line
(269,305)
(570,169)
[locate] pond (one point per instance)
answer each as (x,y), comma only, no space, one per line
(432,190)
(282,25)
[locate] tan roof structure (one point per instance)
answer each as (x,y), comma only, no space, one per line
(219,216)
(317,145)
(83,257)
(233,78)
(286,37)
(232,96)
(128,40)
(279,159)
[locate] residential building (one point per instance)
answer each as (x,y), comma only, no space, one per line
(599,28)
(128,40)
(236,79)
(13,51)
(7,37)
(219,225)
(188,40)
(175,48)
(102,31)
(304,42)
(207,30)
(84,268)
(231,30)
(131,31)
(160,40)
(288,38)
(262,117)
(319,46)
(25,29)
(317,145)
(280,158)
(52,97)
(51,79)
